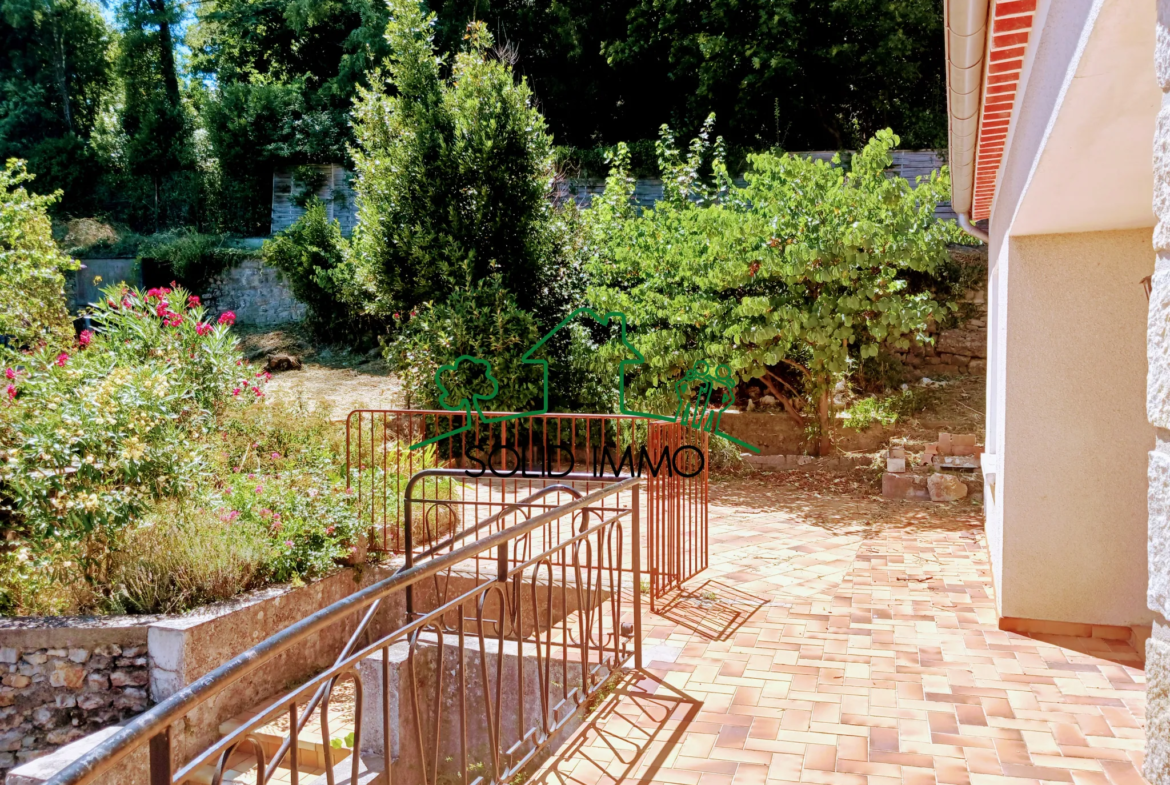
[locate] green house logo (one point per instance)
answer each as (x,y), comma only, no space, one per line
(703,412)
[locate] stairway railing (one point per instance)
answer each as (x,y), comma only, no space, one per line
(512,611)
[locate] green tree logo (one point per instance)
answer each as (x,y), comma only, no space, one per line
(696,412)
(465,403)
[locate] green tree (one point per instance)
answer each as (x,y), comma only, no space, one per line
(54,78)
(155,121)
(285,76)
(32,287)
(453,178)
(792,279)
(802,75)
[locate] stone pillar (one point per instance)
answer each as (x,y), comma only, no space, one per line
(1157,765)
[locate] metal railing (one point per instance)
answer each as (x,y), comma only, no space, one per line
(559,619)
(516,458)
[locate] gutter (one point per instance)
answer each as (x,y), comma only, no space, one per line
(966,50)
(971,229)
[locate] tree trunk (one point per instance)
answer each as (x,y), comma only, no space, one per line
(824,415)
(61,73)
(156,178)
(789,407)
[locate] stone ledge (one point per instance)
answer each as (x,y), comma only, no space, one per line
(74,631)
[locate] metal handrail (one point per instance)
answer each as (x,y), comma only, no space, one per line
(153,726)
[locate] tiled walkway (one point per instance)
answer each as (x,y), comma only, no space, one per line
(855,642)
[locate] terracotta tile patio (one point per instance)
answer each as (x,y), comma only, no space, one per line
(850,640)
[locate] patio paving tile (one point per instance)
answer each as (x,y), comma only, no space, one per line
(856,643)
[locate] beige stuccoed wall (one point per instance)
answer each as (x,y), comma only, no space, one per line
(1071,496)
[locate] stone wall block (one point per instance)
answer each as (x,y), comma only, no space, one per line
(1162,45)
(1162,178)
(1157,761)
(1158,592)
(1158,351)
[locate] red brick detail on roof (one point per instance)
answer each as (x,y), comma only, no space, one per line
(1010,39)
(1012,22)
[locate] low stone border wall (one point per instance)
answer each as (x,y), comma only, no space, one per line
(66,678)
(59,683)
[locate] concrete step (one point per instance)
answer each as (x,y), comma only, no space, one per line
(272,735)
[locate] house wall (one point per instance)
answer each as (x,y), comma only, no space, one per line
(1067,515)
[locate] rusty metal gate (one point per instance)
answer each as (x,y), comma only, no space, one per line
(506,461)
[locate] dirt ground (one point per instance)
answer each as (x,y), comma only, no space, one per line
(337,379)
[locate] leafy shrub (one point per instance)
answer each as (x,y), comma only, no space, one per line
(484,322)
(278,469)
(309,253)
(78,235)
(32,287)
(193,258)
(94,433)
(138,474)
(810,267)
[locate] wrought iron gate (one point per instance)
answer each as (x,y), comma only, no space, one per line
(526,454)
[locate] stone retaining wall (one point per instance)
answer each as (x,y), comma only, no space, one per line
(58,684)
(960,349)
(256,293)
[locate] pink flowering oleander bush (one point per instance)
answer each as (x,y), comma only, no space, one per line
(94,433)
(155,410)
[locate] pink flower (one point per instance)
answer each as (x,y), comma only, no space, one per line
(288,543)
(9,373)
(62,358)
(414,313)
(173,320)
(275,456)
(265,512)
(203,328)
(251,476)
(265,375)
(329,530)
(227,317)
(230,516)
(259,489)
(11,390)
(161,309)
(111,303)
(397,315)
(236,392)
(85,337)
(193,301)
(258,391)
